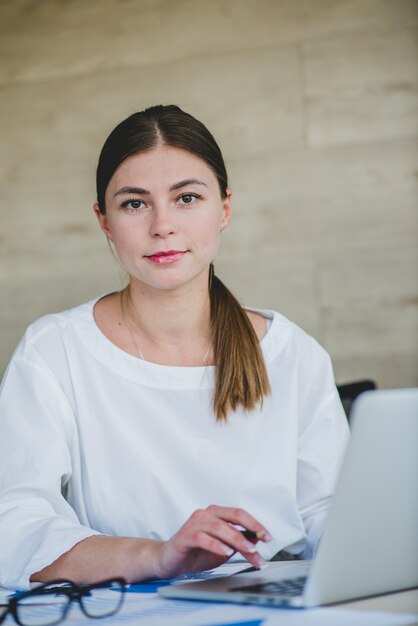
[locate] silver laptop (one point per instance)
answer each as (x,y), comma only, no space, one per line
(370,543)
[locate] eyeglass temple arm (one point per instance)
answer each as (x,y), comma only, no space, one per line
(3,612)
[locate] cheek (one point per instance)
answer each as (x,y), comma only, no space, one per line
(126,242)
(210,226)
(121,231)
(210,238)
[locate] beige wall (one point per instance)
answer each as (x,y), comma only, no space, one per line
(315,105)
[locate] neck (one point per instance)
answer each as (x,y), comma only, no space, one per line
(171,327)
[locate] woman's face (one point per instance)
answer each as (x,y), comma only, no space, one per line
(164,214)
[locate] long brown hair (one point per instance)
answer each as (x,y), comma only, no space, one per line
(240,372)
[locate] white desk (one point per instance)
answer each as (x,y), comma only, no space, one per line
(402,602)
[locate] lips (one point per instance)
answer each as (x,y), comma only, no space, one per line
(166,257)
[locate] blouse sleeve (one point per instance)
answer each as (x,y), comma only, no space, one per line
(323,438)
(37,431)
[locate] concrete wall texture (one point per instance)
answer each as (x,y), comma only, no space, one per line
(315,105)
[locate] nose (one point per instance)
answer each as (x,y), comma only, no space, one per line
(162,222)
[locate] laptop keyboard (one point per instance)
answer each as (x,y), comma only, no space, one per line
(289,587)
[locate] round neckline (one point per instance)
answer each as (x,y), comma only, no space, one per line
(147,372)
(266,314)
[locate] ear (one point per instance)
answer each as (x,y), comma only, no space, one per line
(102,219)
(227,209)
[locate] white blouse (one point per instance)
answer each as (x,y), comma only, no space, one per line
(94,440)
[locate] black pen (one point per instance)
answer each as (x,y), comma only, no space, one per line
(253,536)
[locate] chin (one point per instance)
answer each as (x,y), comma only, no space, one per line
(171,282)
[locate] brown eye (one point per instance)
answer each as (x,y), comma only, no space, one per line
(133,204)
(188,198)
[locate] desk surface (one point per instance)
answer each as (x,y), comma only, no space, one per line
(400,602)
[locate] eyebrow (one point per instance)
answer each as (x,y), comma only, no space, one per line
(187,181)
(144,192)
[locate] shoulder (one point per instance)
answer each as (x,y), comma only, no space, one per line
(298,364)
(47,333)
(286,341)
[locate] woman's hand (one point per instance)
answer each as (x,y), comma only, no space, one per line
(208,539)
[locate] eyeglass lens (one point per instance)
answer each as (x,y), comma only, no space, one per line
(102,601)
(42,610)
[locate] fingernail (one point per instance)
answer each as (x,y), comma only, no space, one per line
(228,551)
(261,563)
(249,547)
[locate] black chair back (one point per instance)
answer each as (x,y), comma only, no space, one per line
(349,392)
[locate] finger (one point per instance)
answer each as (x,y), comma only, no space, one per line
(218,528)
(249,551)
(200,523)
(206,542)
(240,516)
(255,559)
(205,531)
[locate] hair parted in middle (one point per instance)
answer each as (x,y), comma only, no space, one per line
(241,377)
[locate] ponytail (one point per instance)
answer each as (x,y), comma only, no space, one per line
(240,371)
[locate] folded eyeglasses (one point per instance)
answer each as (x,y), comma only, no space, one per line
(49,603)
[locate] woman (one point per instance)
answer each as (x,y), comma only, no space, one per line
(142,431)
